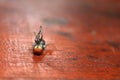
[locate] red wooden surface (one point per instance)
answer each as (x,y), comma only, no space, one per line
(83,38)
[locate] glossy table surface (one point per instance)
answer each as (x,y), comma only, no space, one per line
(83,38)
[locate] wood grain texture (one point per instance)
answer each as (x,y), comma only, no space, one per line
(83,38)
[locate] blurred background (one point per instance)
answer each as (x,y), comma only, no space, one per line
(84,37)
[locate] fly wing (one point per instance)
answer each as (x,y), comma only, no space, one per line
(40,30)
(39,34)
